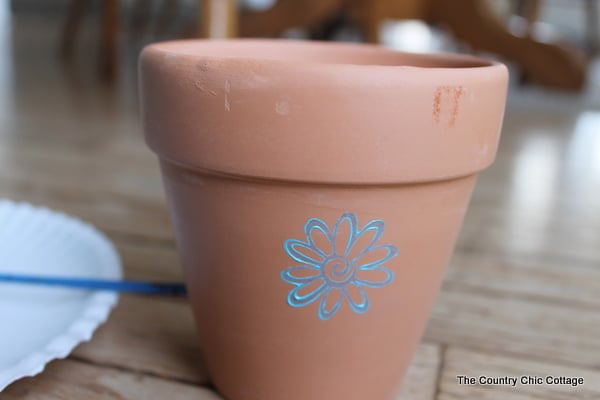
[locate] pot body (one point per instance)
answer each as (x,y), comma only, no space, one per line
(315,204)
(231,236)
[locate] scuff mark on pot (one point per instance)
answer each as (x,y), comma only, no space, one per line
(202,87)
(227,91)
(446,104)
(482,154)
(203,66)
(282,107)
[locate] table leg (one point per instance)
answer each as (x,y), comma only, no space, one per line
(218,19)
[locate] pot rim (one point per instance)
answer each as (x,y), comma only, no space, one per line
(215,105)
(219,49)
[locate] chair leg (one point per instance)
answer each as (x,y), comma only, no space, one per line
(218,19)
(547,64)
(531,13)
(529,10)
(71,28)
(109,40)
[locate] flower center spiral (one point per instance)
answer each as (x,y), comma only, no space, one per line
(337,270)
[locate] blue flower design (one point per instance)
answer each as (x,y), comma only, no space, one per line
(336,265)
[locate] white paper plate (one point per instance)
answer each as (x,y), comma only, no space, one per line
(39,324)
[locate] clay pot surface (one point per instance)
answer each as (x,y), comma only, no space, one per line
(316,192)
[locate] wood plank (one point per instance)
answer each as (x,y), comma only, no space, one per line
(129,171)
(421,379)
(148,260)
(156,336)
(107,211)
(540,196)
(73,380)
(503,323)
(459,361)
(118,196)
(525,232)
(539,278)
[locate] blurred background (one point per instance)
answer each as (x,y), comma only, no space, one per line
(69,114)
(525,279)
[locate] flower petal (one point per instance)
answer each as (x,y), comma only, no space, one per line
(302,252)
(374,278)
(300,275)
(343,233)
(303,295)
(366,238)
(375,256)
(318,236)
(357,298)
(331,303)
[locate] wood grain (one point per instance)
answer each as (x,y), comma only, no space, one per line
(502,322)
(70,380)
(459,361)
(539,279)
(109,212)
(422,377)
(149,335)
(144,259)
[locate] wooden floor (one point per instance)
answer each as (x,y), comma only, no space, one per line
(522,296)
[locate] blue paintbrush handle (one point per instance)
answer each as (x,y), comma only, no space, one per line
(139,287)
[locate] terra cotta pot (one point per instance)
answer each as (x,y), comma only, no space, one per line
(316,192)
